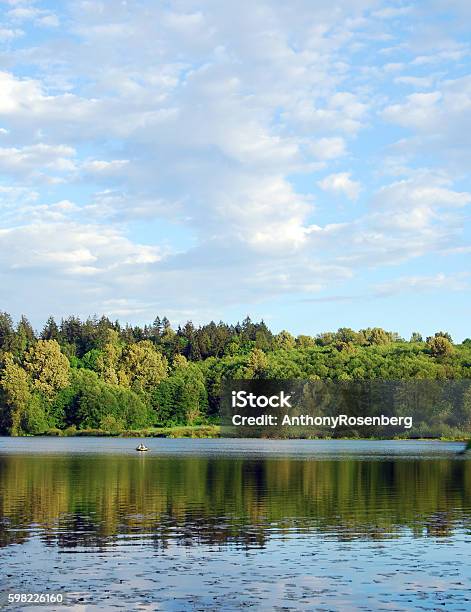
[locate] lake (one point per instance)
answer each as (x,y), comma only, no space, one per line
(237,524)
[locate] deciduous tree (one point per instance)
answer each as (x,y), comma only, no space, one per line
(48,367)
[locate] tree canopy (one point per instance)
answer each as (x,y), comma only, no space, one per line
(98,373)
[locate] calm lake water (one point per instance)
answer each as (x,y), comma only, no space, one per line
(237,524)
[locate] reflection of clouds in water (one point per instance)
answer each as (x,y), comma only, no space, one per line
(299,573)
(264,525)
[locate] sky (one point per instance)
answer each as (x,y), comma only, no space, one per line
(307,162)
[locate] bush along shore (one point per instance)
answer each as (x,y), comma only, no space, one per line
(98,377)
(181,431)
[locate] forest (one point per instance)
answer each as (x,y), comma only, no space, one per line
(97,375)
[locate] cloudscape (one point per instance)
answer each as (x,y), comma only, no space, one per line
(299,162)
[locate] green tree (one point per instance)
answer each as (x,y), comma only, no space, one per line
(179,362)
(95,401)
(63,407)
(107,361)
(50,330)
(347,335)
(24,337)
(142,367)
(132,410)
(466,410)
(263,340)
(16,395)
(48,367)
(257,364)
(303,341)
(92,360)
(182,397)
(111,423)
(442,334)
(376,335)
(33,418)
(284,341)
(162,399)
(7,332)
(346,347)
(439,346)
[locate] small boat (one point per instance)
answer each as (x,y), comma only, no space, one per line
(141,448)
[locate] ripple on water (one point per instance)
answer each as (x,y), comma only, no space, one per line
(225,525)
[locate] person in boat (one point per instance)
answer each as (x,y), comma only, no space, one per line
(141,447)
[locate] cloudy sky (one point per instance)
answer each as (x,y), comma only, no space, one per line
(306,162)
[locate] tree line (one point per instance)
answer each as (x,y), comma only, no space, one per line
(99,374)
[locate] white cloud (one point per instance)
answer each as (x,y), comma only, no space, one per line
(423,205)
(393,12)
(71,248)
(42,18)
(344,113)
(49,21)
(206,126)
(328,148)
(33,160)
(419,284)
(14,200)
(420,111)
(441,113)
(415,81)
(340,183)
(102,167)
(439,122)
(7,34)
(455,54)
(393,67)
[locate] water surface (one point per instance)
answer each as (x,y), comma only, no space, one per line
(236,524)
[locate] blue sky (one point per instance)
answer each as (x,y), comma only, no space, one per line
(304,162)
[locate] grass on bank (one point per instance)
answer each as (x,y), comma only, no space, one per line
(214,431)
(178,431)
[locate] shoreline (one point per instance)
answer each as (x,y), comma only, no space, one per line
(214,432)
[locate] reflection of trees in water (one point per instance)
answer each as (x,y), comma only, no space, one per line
(97,501)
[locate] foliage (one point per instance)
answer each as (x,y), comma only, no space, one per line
(440,346)
(48,367)
(142,367)
(79,376)
(33,417)
(112,424)
(182,397)
(24,411)
(16,396)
